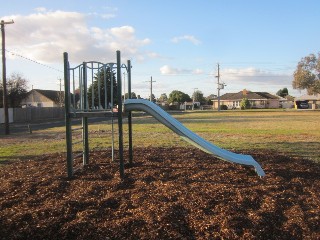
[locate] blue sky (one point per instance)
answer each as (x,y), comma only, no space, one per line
(179,43)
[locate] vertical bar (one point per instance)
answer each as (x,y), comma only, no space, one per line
(92,92)
(112,139)
(119,97)
(85,119)
(112,120)
(111,91)
(81,88)
(85,90)
(130,114)
(85,140)
(105,87)
(74,90)
(67,115)
(99,86)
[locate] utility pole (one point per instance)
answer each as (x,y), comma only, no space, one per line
(220,86)
(4,77)
(151,81)
(218,77)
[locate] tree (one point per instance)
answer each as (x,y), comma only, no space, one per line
(163,98)
(179,97)
(198,97)
(153,98)
(133,95)
(16,89)
(283,92)
(307,74)
(94,88)
(244,104)
(210,98)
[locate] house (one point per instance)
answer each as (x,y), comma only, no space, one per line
(313,101)
(43,98)
(286,102)
(256,99)
(189,105)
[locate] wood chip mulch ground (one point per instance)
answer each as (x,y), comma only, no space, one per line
(168,193)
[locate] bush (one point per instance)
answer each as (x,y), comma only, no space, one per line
(223,107)
(244,104)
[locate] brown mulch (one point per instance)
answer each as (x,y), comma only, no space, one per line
(168,193)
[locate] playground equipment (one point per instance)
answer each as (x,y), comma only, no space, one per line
(78,79)
(81,102)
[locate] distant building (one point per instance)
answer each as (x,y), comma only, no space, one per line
(256,99)
(286,102)
(43,98)
(312,100)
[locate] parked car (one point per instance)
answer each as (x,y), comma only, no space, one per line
(304,105)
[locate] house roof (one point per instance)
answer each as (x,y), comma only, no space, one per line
(51,94)
(286,98)
(308,97)
(247,94)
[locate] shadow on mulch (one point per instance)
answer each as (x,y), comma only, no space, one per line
(168,193)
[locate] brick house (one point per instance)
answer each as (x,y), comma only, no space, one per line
(256,99)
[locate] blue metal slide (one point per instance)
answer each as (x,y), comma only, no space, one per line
(177,127)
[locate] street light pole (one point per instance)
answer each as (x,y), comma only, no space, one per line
(4,80)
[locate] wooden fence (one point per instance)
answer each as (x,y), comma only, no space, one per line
(33,114)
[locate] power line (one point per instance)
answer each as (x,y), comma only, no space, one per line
(34,61)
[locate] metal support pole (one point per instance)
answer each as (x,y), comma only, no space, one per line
(67,115)
(112,120)
(85,131)
(105,87)
(130,113)
(92,92)
(119,97)
(112,139)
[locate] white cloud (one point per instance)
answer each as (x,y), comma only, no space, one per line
(189,38)
(103,15)
(167,70)
(255,77)
(45,35)
(108,16)
(40,9)
(197,71)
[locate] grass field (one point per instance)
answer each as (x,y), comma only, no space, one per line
(296,133)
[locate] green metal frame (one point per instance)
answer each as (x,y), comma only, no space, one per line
(130,114)
(85,112)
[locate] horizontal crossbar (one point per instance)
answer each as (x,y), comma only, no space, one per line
(92,114)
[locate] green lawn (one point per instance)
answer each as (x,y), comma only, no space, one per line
(296,133)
